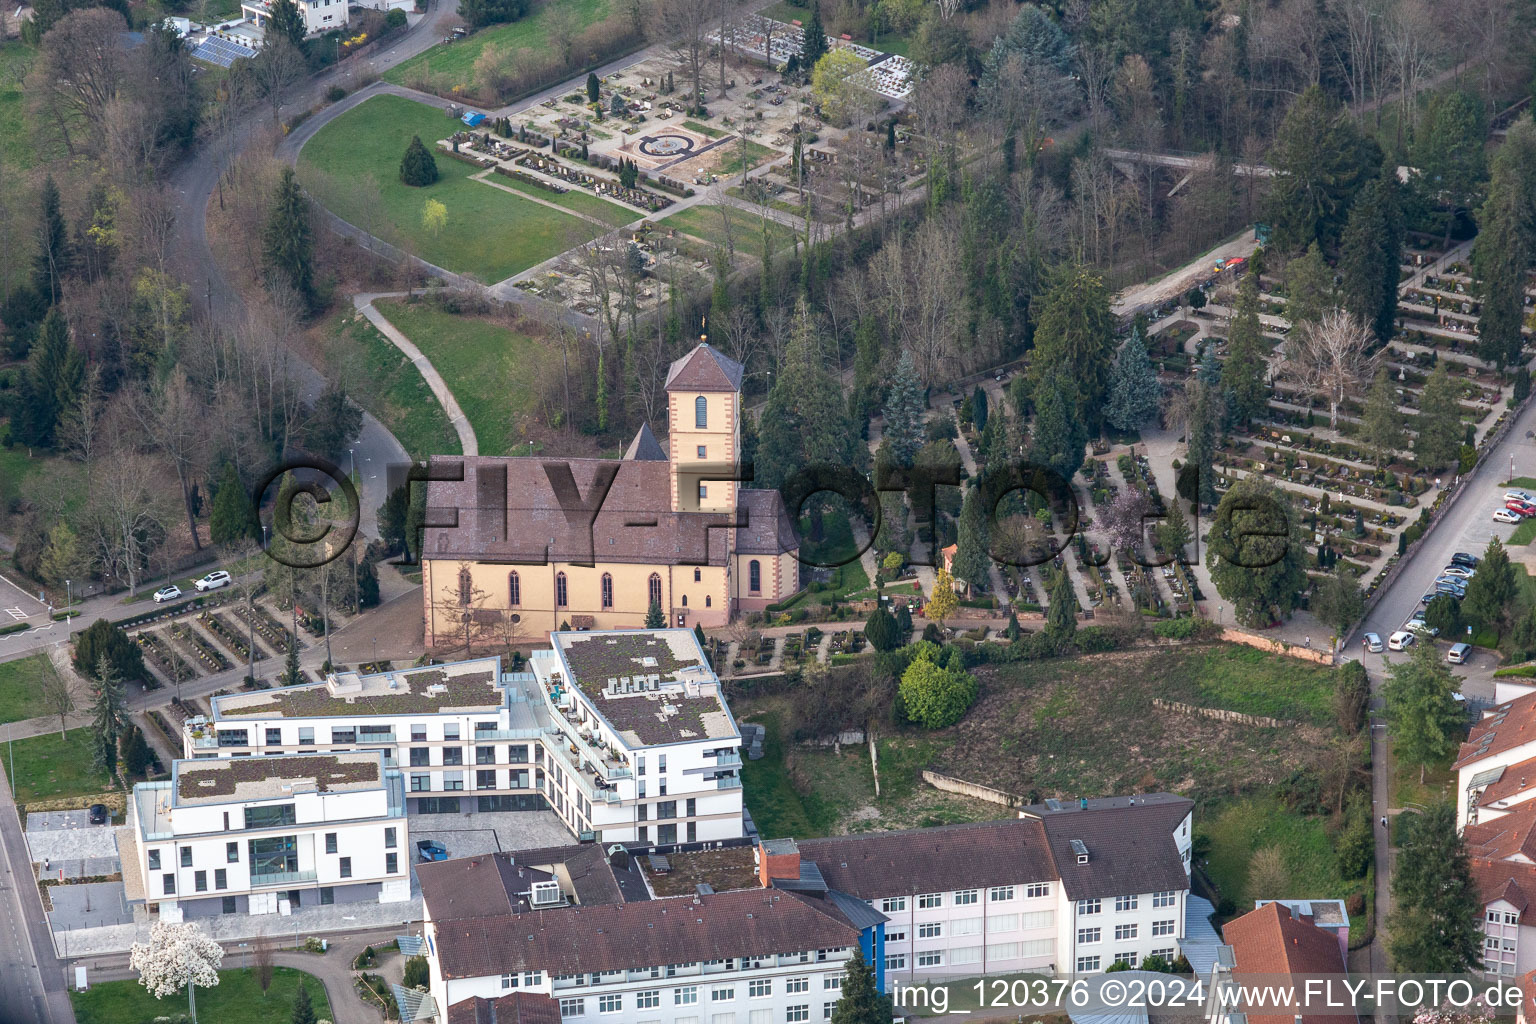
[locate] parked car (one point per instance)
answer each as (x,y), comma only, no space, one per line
(1456,590)
(213,581)
(169,593)
(431,849)
(99,815)
(1372,642)
(1400,641)
(1525,508)
(1419,626)
(1462,558)
(1519,496)
(1504,515)
(1458,654)
(1459,571)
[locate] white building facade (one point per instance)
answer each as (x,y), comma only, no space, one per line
(229,836)
(319,15)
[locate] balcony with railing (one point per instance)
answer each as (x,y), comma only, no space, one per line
(281,877)
(728,782)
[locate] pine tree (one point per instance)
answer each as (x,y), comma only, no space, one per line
(1059,435)
(285,21)
(594,90)
(1173,534)
(1061,616)
(805,422)
(108,716)
(51,383)
(1200,435)
(979,408)
(292,674)
(55,256)
(1135,393)
(288,245)
(418,168)
(1492,593)
(1075,337)
(1435,925)
(971,554)
(1371,252)
(1309,288)
(1244,374)
(904,410)
(1381,423)
(1505,245)
(880,629)
(654,619)
(814,46)
(303,1012)
(1257,552)
(861,1002)
(1438,443)
(1321,159)
(903,622)
(233,516)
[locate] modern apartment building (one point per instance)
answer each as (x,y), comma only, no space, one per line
(262,836)
(1503,861)
(623,733)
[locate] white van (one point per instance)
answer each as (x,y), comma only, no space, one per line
(1458,654)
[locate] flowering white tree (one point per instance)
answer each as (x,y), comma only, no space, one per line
(176,956)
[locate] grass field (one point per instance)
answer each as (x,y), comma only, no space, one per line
(455,62)
(16,142)
(580,201)
(490,368)
(384,382)
(756,153)
(48,767)
(236,999)
(20,681)
(705,224)
(489,233)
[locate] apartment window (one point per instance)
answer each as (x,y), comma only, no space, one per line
(793,986)
(1164,899)
(797,1013)
(229,906)
(928,901)
(560,591)
(186,856)
(648,1000)
(514,590)
(485,755)
(666,809)
(966,926)
(509,981)
(832,983)
(1124,931)
(391,863)
(327,896)
(930,930)
(966,897)
(645,833)
(688,995)
(1088,907)
(1037,890)
(306,736)
(1086,936)
(421,782)
(1127,957)
(722,995)
(340,735)
(896,962)
(346,867)
(389,838)
(154,859)
(655,589)
(421,757)
(661,763)
(418,734)
(330,842)
(485,779)
(220,878)
(274,737)
(1163,927)
(1000,894)
(1510,917)
(700,413)
(1124,903)
(453,755)
(898,936)
(572,1007)
(933,958)
(1085,964)
(1493,917)
(894,904)
(450,730)
(1167,953)
(610,1004)
(168,881)
(453,781)
(760,988)
(693,832)
(200,881)
(518,753)
(607,590)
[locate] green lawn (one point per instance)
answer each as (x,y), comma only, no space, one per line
(489,233)
(1244,679)
(454,63)
(384,382)
(19,685)
(490,369)
(1523,534)
(48,767)
(756,153)
(576,199)
(236,999)
(15,467)
(16,142)
(704,223)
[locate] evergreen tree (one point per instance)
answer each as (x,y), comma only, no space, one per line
(1381,423)
(1061,615)
(860,1001)
(1438,443)
(880,629)
(1013,630)
(418,168)
(1505,245)
(1338,601)
(903,622)
(654,619)
(288,245)
(1492,593)
(1321,159)
(805,422)
(233,516)
(1451,154)
(392,518)
(55,257)
(1244,374)
(1059,435)
(971,554)
(1135,393)
(285,21)
(104,639)
(904,410)
(480,13)
(814,46)
(1075,336)
(136,755)
(593,88)
(303,1012)
(292,674)
(1308,286)
(334,423)
(1435,925)
(108,714)
(1200,438)
(50,384)
(1173,534)
(1257,552)
(979,408)
(698,634)
(1370,254)
(1427,723)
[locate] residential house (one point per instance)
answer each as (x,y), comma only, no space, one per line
(1261,946)
(1494,767)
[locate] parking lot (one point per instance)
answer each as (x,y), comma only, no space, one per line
(66,841)
(469,835)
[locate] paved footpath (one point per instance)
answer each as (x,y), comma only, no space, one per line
(364,303)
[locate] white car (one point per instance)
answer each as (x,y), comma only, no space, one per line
(213,581)
(1504,515)
(1400,641)
(1372,643)
(169,593)
(1458,570)
(1419,626)
(1519,496)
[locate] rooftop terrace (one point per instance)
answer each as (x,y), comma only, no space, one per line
(461,686)
(228,780)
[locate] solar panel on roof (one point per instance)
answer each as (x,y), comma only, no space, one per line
(220,51)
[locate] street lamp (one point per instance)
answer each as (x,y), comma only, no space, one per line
(67,600)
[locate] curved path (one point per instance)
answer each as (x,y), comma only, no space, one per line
(461,425)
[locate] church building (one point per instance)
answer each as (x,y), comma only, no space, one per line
(542,543)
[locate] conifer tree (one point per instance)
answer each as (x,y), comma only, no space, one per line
(288,245)
(1381,424)
(1244,373)
(418,168)
(1435,925)
(55,256)
(972,561)
(108,716)
(1371,251)
(904,410)
(861,1002)
(50,384)
(1135,393)
(1439,422)
(284,19)
(814,46)
(1061,616)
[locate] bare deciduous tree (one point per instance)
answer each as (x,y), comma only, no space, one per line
(685,25)
(261,961)
(1329,359)
(59,687)
(78,73)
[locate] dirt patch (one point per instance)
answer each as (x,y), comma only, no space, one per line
(722,870)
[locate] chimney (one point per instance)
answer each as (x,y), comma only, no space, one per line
(777,858)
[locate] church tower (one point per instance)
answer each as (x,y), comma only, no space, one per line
(703,429)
